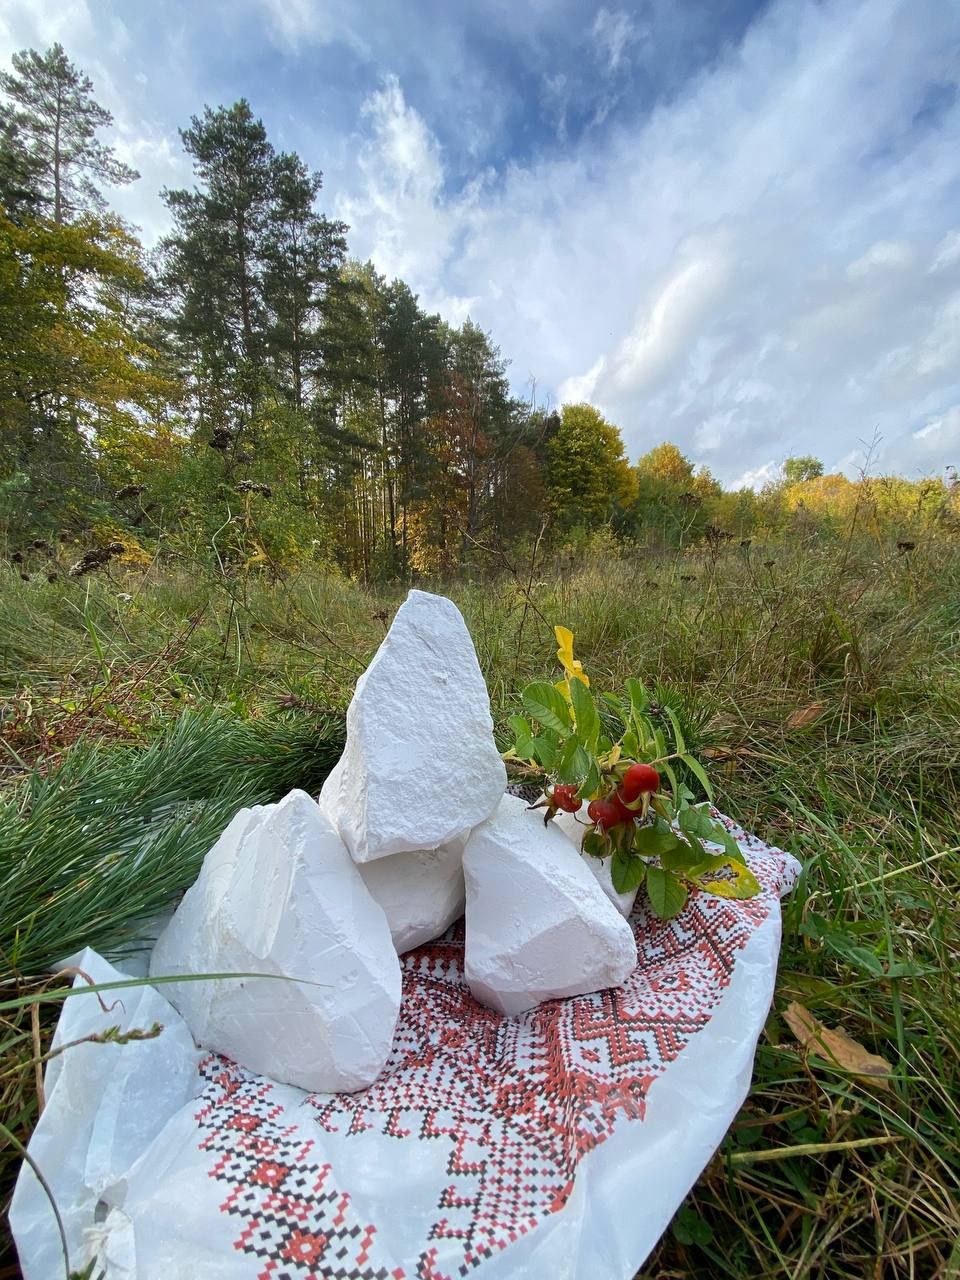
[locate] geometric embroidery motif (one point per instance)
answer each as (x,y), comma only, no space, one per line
(513,1103)
(294,1218)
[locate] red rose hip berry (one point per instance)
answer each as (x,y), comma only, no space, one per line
(564,796)
(604,813)
(640,779)
(626,815)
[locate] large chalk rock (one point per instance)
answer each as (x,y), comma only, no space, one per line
(279,894)
(539,926)
(420,766)
(600,868)
(421,892)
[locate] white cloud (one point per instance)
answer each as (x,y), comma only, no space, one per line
(613,32)
(292,23)
(766,265)
(941,432)
(668,321)
(939,352)
(885,255)
(948,252)
(399,215)
(766,473)
(716,431)
(583,388)
(40,23)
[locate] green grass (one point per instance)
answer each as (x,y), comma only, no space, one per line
(94,689)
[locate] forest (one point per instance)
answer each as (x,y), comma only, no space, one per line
(246,392)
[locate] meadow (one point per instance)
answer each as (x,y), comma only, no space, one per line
(820,681)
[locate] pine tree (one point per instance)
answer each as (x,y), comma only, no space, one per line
(20,191)
(303,253)
(411,371)
(56,119)
(214,266)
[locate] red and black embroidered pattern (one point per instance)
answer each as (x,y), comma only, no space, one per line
(513,1103)
(294,1218)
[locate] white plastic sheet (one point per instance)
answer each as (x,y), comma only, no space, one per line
(556,1143)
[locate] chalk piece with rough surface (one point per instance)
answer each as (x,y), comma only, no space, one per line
(279,894)
(539,926)
(599,867)
(421,892)
(420,767)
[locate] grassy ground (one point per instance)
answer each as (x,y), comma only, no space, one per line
(824,687)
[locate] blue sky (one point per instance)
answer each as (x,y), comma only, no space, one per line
(728,223)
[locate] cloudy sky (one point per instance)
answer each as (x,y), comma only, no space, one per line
(734,224)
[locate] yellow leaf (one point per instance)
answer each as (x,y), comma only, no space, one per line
(836,1046)
(803,716)
(571,666)
(724,877)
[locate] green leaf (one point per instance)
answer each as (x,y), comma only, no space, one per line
(677,731)
(654,841)
(639,698)
(575,763)
(548,705)
(646,734)
(626,872)
(663,767)
(522,737)
(722,836)
(591,782)
(698,771)
(688,1227)
(698,848)
(679,858)
(520,726)
(867,960)
(905,969)
(696,821)
(708,875)
(860,957)
(585,714)
(662,806)
(595,844)
(545,750)
(668,895)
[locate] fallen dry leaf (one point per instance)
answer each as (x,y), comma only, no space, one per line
(803,716)
(836,1046)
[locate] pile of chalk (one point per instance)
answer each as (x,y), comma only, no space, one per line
(306,905)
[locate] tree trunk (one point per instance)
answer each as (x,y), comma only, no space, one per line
(57,183)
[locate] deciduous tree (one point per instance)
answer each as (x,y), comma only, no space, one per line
(796,470)
(588,477)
